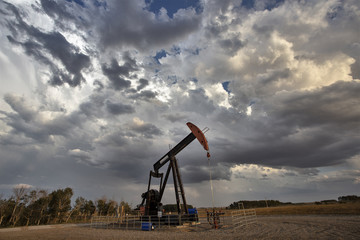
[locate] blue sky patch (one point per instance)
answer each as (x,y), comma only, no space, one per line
(176,50)
(100,3)
(159,55)
(249,4)
(80,2)
(194,80)
(172,6)
(226,86)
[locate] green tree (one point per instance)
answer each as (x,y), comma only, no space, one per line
(101,206)
(6,207)
(349,198)
(89,208)
(40,207)
(126,206)
(32,197)
(83,207)
(112,208)
(106,207)
(79,206)
(20,199)
(60,203)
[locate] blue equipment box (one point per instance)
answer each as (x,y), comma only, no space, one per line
(146,226)
(192,211)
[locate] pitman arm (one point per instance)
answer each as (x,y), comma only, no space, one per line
(195,133)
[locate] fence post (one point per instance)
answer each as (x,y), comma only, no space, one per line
(140,221)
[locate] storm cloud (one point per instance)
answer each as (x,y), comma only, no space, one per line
(93,88)
(38,43)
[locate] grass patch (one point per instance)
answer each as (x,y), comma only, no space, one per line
(312,209)
(300,209)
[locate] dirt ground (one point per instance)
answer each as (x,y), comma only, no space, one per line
(267,227)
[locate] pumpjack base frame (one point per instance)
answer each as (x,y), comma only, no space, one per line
(172,219)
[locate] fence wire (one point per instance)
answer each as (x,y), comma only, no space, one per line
(243,217)
(179,222)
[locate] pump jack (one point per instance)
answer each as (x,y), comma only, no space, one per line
(152,197)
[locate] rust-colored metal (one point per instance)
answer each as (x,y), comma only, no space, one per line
(199,135)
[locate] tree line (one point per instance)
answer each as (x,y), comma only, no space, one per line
(275,203)
(27,207)
(349,198)
(256,204)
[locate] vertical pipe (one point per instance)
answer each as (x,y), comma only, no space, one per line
(211,184)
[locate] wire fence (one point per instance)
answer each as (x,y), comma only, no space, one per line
(243,217)
(191,222)
(132,222)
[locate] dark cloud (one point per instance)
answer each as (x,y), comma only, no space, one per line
(142,83)
(335,105)
(99,85)
(215,29)
(194,174)
(23,121)
(98,104)
(128,23)
(61,49)
(26,121)
(313,150)
(147,130)
(125,23)
(274,76)
(196,101)
(93,107)
(67,14)
(117,74)
(18,104)
(174,117)
(173,7)
(145,95)
(114,139)
(355,69)
(265,30)
(231,45)
(304,129)
(129,153)
(79,154)
(39,43)
(56,10)
(119,108)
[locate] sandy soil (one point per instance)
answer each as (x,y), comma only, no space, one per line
(267,227)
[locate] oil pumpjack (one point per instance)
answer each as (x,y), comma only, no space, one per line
(152,197)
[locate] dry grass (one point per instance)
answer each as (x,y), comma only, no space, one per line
(303,209)
(312,209)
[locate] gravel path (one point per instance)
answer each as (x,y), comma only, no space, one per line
(267,227)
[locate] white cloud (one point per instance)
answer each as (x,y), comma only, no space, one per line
(23,185)
(217,93)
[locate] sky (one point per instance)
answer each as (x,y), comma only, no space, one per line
(94,92)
